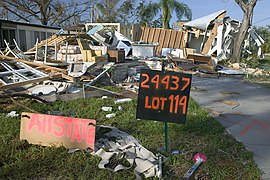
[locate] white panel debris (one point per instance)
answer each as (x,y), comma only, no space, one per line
(222,44)
(124,146)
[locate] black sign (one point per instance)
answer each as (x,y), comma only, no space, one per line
(163,96)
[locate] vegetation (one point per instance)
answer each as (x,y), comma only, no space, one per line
(264,32)
(45,12)
(166,7)
(227,158)
(61,12)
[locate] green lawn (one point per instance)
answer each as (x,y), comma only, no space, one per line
(227,159)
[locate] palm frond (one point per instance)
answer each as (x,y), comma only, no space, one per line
(101,8)
(182,10)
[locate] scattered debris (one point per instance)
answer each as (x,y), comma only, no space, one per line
(12,114)
(198,158)
(120,108)
(112,115)
(176,151)
(119,101)
(104,108)
(123,151)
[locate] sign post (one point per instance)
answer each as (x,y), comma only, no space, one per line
(163,96)
(166,135)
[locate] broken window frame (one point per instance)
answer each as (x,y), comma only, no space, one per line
(18,74)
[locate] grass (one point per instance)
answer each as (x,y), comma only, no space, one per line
(227,158)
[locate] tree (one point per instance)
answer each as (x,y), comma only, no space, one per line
(146,13)
(170,6)
(166,8)
(247,7)
(157,23)
(126,12)
(106,11)
(47,12)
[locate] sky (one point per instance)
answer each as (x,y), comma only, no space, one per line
(204,7)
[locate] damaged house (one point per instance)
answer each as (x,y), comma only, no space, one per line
(25,34)
(214,35)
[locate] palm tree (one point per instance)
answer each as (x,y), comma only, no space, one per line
(146,13)
(170,6)
(166,7)
(106,11)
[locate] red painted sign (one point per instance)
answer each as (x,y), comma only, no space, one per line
(58,130)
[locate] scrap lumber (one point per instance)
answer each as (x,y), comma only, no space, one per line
(43,66)
(19,84)
(23,106)
(54,71)
(23,95)
(213,34)
(51,41)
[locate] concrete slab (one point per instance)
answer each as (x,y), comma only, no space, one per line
(242,108)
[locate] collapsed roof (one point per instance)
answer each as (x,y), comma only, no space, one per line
(214,35)
(203,22)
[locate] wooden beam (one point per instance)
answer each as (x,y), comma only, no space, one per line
(151,35)
(173,38)
(213,34)
(33,63)
(18,84)
(161,41)
(167,39)
(178,39)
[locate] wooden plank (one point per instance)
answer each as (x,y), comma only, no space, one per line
(161,41)
(19,84)
(33,63)
(67,77)
(173,39)
(178,40)
(213,34)
(146,34)
(143,30)
(185,39)
(151,34)
(167,38)
(182,45)
(156,35)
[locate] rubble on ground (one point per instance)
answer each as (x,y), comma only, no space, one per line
(248,70)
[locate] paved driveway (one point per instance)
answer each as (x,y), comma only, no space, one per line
(243,108)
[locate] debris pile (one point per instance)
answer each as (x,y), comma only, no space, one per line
(248,70)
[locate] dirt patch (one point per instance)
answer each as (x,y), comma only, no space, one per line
(196,89)
(228,102)
(214,113)
(239,114)
(229,93)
